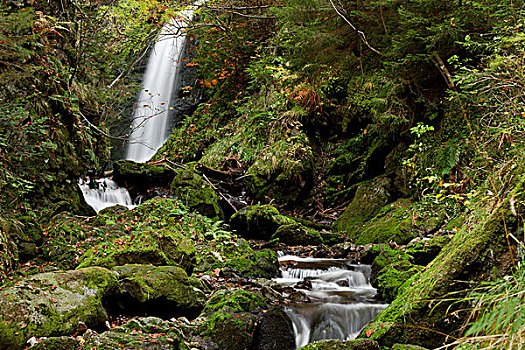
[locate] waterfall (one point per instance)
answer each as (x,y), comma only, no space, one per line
(342,299)
(104,193)
(150,120)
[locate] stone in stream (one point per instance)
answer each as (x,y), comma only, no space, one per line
(53,304)
(274,331)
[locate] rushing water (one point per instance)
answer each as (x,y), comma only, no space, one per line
(149,128)
(103,193)
(342,299)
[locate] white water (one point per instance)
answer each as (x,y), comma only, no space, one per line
(106,194)
(342,299)
(149,128)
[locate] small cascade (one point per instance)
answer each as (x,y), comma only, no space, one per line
(150,121)
(103,193)
(342,299)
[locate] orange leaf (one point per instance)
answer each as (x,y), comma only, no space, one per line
(369,332)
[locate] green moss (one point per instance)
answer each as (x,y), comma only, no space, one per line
(197,194)
(57,343)
(143,175)
(235,300)
(407,347)
(391,277)
(52,304)
(8,249)
(157,247)
(258,221)
(168,285)
(297,234)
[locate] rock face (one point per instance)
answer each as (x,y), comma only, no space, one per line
(53,303)
(165,291)
(197,194)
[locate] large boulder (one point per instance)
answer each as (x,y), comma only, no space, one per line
(297,234)
(196,193)
(156,247)
(165,291)
(274,331)
(53,304)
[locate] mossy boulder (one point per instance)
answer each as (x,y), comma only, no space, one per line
(8,248)
(395,222)
(258,221)
(237,258)
(148,333)
(368,200)
(165,291)
(156,247)
(391,277)
(334,344)
(230,318)
(425,250)
(141,176)
(190,187)
(297,234)
(53,303)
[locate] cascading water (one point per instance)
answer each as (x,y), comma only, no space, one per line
(342,299)
(149,128)
(103,193)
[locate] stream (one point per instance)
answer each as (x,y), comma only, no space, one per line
(342,301)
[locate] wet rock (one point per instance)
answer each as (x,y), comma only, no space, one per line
(164,291)
(274,331)
(196,193)
(53,304)
(357,344)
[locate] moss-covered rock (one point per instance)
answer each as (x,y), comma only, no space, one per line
(258,221)
(148,333)
(156,247)
(297,234)
(230,319)
(413,317)
(236,258)
(197,194)
(391,277)
(52,304)
(8,249)
(425,250)
(141,176)
(357,344)
(368,201)
(159,290)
